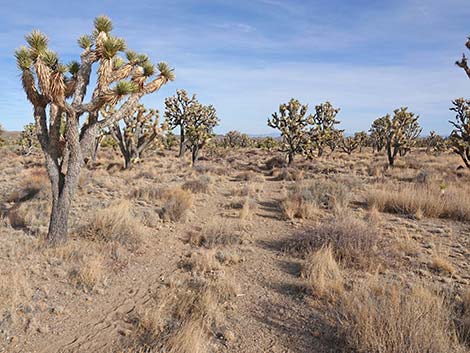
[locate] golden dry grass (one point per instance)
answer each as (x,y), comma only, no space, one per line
(322,272)
(376,317)
(114,224)
(422,201)
(177,204)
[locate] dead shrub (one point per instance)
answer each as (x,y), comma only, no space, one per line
(149,193)
(114,224)
(425,200)
(353,242)
(216,234)
(389,318)
(202,262)
(88,272)
(276,162)
(177,204)
(322,272)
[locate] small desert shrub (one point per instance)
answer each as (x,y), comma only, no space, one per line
(423,200)
(177,203)
(353,241)
(386,318)
(115,224)
(186,317)
(322,272)
(463,318)
(200,185)
(304,199)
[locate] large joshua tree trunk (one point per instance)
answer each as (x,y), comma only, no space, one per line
(290,158)
(182,142)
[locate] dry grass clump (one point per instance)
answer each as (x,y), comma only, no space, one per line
(203,262)
(322,272)
(200,185)
(14,290)
(304,199)
(422,200)
(177,204)
(250,190)
(463,319)
(186,318)
(386,318)
(247,210)
(216,234)
(353,241)
(115,224)
(441,264)
(149,193)
(88,272)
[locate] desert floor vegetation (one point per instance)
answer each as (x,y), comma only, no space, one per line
(239,254)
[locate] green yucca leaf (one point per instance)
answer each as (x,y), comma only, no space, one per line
(103,24)
(23,58)
(125,87)
(118,62)
(50,58)
(62,68)
(166,71)
(112,45)
(131,56)
(73,67)
(37,41)
(85,41)
(142,58)
(149,69)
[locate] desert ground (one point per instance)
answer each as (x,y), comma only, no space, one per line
(239,254)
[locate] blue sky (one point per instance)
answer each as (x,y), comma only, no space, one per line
(246,57)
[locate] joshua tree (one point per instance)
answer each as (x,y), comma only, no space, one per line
(57,93)
(169,140)
(28,139)
(292,121)
(323,130)
(234,139)
(199,127)
(335,139)
(363,139)
(459,138)
(177,110)
(435,143)
(378,133)
(140,130)
(350,144)
(267,143)
(401,133)
(463,63)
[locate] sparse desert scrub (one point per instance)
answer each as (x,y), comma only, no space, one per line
(352,241)
(304,199)
(322,272)
(288,174)
(185,318)
(250,176)
(276,162)
(114,224)
(148,193)
(441,264)
(376,317)
(463,318)
(247,210)
(427,200)
(201,262)
(177,204)
(199,185)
